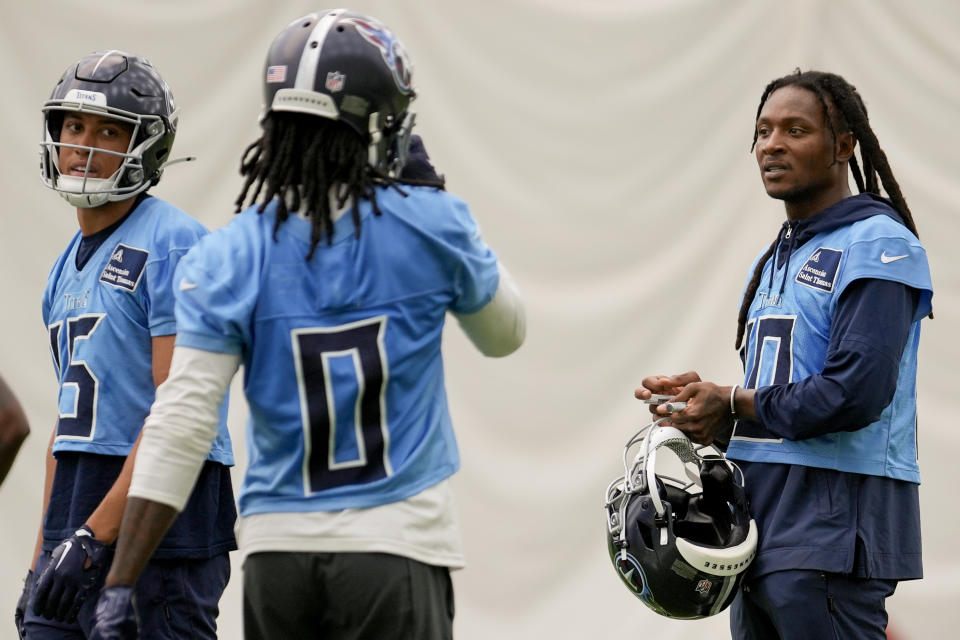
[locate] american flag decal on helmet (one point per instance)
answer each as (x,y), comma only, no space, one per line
(394,55)
(277,73)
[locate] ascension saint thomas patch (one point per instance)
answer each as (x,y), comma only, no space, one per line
(820,269)
(125,267)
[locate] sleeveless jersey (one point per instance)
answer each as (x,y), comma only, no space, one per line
(787,338)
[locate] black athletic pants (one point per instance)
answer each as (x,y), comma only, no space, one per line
(345,596)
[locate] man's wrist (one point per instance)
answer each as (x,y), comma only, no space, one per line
(741,403)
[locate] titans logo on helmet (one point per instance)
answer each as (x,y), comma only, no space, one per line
(390,48)
(631,573)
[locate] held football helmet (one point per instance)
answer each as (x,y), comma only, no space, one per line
(345,66)
(128,88)
(680,546)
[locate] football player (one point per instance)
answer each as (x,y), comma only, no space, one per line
(109,126)
(332,292)
(14,428)
(824,427)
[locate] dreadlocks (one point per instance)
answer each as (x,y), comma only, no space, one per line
(843,110)
(297,161)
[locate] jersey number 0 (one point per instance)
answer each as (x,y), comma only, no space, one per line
(342,374)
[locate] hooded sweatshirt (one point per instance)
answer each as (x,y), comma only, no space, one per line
(830,464)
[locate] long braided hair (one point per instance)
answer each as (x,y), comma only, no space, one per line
(843,110)
(297,160)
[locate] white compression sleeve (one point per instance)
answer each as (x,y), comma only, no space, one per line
(499,328)
(181,427)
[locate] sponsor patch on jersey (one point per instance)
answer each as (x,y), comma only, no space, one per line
(125,267)
(820,269)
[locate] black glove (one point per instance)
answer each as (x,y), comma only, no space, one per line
(418,167)
(75,569)
(21,609)
(116,615)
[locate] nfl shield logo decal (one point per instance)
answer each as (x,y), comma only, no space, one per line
(335,81)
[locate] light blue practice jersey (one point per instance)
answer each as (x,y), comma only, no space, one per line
(101,321)
(787,338)
(343,370)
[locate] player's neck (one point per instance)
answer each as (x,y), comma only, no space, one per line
(98,218)
(813,206)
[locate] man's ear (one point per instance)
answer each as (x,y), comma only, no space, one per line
(846,143)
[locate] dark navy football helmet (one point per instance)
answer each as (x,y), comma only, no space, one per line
(345,66)
(128,88)
(679,545)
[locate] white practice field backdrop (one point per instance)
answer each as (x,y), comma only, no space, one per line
(603,147)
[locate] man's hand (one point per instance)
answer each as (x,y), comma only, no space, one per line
(664,385)
(116,615)
(707,414)
(76,567)
(21,609)
(418,167)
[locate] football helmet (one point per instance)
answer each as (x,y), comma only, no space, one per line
(128,88)
(679,545)
(345,66)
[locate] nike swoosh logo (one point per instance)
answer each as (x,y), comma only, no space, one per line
(63,556)
(885,259)
(186,286)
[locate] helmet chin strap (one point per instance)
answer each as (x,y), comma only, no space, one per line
(89,193)
(85,200)
(373,150)
(85,193)
(398,149)
(401,142)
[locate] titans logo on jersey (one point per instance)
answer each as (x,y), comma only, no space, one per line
(343,372)
(101,320)
(787,342)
